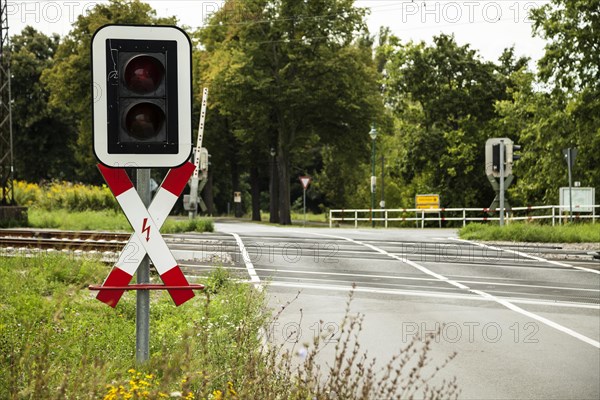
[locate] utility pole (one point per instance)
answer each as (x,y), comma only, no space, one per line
(502,156)
(6,137)
(570,154)
(382,204)
(373,135)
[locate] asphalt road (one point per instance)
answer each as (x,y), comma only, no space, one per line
(521,326)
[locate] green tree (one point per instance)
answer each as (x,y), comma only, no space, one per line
(296,71)
(566,113)
(536,121)
(69,78)
(443,96)
(43,138)
(572,31)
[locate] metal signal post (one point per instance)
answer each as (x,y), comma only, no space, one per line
(142,310)
(6,138)
(142,85)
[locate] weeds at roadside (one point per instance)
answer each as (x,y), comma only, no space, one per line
(353,375)
(58,342)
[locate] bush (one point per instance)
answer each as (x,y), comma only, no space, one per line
(63,205)
(65,195)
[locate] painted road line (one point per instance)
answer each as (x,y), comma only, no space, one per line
(282,273)
(502,302)
(521,254)
(549,303)
(543,320)
(415,293)
(404,260)
(411,278)
(247,261)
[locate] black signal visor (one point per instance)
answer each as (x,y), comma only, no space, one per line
(142,96)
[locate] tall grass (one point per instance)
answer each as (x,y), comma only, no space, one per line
(107,220)
(59,342)
(523,232)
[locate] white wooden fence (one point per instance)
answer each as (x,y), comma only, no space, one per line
(461,214)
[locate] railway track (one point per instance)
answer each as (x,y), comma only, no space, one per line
(113,242)
(62,240)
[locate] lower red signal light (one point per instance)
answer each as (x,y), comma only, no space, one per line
(144,121)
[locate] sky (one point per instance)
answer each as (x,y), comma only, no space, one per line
(488,26)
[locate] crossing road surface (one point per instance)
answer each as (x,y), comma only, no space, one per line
(522,326)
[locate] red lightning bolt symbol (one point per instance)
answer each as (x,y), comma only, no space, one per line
(146,229)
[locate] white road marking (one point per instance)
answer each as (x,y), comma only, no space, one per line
(543,320)
(505,303)
(521,254)
(550,303)
(247,261)
(398,277)
(416,293)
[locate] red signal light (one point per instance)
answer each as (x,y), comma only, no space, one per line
(143,74)
(144,121)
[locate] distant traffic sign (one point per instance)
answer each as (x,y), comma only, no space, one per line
(237,197)
(583,198)
(305,180)
(427,201)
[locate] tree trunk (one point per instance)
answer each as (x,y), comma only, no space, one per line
(285,217)
(255,189)
(274,192)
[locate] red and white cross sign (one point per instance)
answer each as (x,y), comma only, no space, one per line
(146,239)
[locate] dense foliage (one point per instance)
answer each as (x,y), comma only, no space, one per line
(295,86)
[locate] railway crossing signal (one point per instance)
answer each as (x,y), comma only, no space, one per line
(146,239)
(500,154)
(142,96)
(492,156)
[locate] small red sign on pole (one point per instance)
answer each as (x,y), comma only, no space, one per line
(305,180)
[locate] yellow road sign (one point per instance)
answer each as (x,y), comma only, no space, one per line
(427,201)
